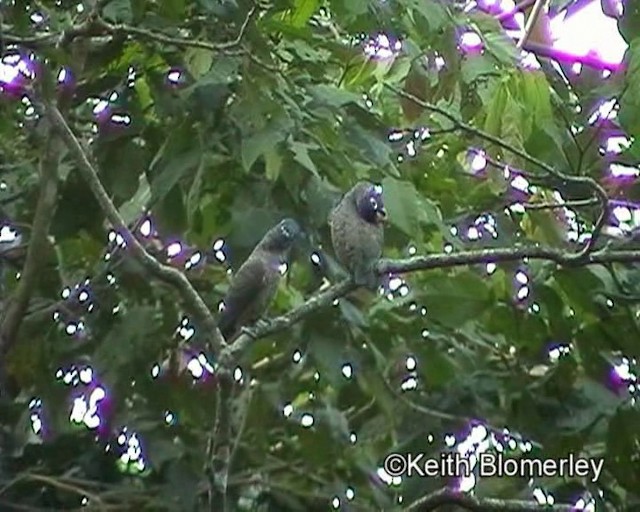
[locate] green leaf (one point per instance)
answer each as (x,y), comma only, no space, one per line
(273,164)
(173,9)
(118,11)
(303,10)
(333,96)
(501,47)
(198,61)
(132,209)
(622,447)
(301,155)
(406,208)
(169,171)
(264,141)
(453,300)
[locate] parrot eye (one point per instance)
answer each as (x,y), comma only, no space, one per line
(373,203)
(285,232)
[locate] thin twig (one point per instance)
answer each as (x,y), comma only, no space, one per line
(531,22)
(18,304)
(162,272)
(598,191)
(178,41)
(578,203)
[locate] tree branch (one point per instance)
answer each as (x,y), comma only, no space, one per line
(531,22)
(95,26)
(43,215)
(446,496)
(164,273)
(177,41)
(417,263)
(285,321)
(598,191)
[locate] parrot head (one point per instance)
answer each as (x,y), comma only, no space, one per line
(282,236)
(369,202)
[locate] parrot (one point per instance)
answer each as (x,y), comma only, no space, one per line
(255,283)
(357,232)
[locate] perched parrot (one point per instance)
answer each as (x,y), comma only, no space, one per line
(357,232)
(256,281)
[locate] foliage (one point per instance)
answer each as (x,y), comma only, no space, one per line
(218,118)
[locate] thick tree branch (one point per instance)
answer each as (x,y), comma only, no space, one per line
(448,496)
(285,321)
(164,273)
(45,207)
(417,263)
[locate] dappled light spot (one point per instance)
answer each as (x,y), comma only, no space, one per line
(199,366)
(347,371)
(155,371)
(584,504)
(382,46)
(350,493)
(238,375)
(606,111)
(411,363)
(174,249)
(175,77)
(35,416)
(542,497)
(307,420)
(8,234)
(186,329)
(623,370)
(386,478)
(315,258)
(131,459)
(15,72)
(287,410)
(335,502)
(146,227)
(470,42)
(121,119)
(534,308)
(353,438)
(409,383)
(86,408)
(170,418)
(558,350)
(193,261)
(296,357)
(100,107)
(476,161)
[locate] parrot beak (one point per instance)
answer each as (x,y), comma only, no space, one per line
(381,215)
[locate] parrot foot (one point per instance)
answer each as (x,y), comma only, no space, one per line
(262,323)
(248,331)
